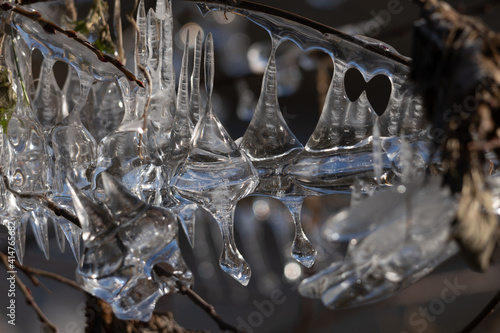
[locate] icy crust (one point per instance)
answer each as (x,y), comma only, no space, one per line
(59,47)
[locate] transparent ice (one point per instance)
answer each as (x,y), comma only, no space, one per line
(271,146)
(216,174)
(418,219)
(123,240)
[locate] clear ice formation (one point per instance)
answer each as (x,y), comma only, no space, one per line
(216,175)
(123,240)
(271,146)
(418,219)
(54,132)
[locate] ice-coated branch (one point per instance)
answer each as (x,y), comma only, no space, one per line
(323,28)
(46,201)
(51,28)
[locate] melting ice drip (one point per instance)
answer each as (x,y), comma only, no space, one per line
(66,143)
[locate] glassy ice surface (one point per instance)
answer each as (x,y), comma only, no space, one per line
(271,146)
(182,132)
(121,248)
(418,219)
(357,146)
(216,174)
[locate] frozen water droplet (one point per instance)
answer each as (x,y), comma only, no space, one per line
(302,249)
(216,175)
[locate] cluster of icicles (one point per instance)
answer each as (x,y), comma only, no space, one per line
(130,164)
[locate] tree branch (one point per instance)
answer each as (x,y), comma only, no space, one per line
(485,312)
(51,28)
(29,298)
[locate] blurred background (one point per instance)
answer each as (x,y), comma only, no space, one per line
(264,229)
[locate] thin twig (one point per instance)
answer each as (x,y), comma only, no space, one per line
(485,312)
(29,298)
(51,28)
(117,20)
(71,11)
(30,271)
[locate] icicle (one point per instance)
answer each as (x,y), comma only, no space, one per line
(73,235)
(195,97)
(39,225)
(268,134)
(302,249)
(47,104)
(141,39)
(182,129)
(20,237)
(153,35)
(216,175)
(59,233)
(330,128)
(406,157)
(377,152)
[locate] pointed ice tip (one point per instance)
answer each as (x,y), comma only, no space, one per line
(94,219)
(119,199)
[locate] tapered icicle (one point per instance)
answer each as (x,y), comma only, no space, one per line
(153,35)
(141,39)
(268,134)
(330,128)
(39,225)
(94,219)
(118,199)
(182,129)
(378,162)
(20,237)
(73,235)
(195,98)
(59,234)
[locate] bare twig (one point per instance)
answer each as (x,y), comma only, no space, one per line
(71,9)
(145,72)
(207,307)
(51,28)
(117,20)
(29,298)
(164,269)
(485,312)
(30,271)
